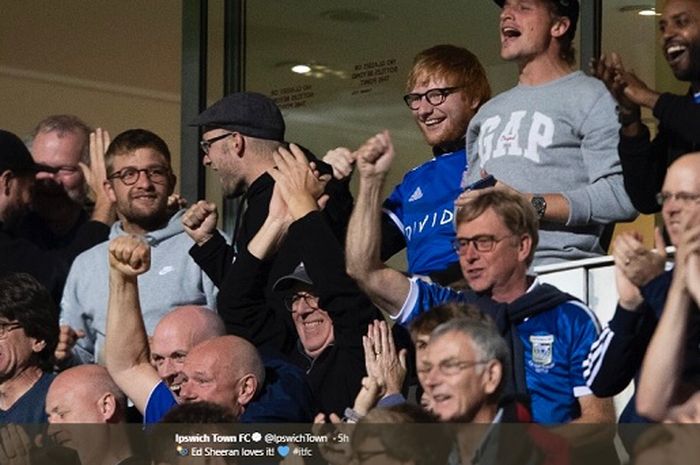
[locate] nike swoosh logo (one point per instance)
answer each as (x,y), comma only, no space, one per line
(165,270)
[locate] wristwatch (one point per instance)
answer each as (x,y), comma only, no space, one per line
(539,204)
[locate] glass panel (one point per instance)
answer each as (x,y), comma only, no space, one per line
(634,37)
(359,54)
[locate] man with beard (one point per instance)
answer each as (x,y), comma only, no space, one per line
(644,161)
(446,86)
(241,132)
(60,142)
(139,181)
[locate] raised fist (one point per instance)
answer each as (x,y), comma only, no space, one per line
(130,255)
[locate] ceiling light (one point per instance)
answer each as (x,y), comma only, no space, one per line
(301,69)
(641,10)
(647,12)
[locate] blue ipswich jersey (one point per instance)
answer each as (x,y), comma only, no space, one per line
(422,207)
(159,402)
(555,342)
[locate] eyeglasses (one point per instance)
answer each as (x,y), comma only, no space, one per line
(434,97)
(684,198)
(450,367)
(129,175)
(311,300)
(483,243)
(5,328)
(207,143)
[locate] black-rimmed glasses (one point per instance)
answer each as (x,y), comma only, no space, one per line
(434,97)
(290,300)
(130,175)
(206,144)
(483,243)
(5,328)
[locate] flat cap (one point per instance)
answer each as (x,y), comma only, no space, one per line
(249,113)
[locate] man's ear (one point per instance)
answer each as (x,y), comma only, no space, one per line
(173,183)
(474,103)
(6,180)
(248,386)
(560,26)
(38,345)
(107,406)
(524,247)
(493,374)
(109,190)
(237,142)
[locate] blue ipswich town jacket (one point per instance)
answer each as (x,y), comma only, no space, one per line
(549,332)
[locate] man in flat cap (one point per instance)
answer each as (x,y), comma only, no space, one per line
(241,133)
(17,174)
(554,136)
(330,314)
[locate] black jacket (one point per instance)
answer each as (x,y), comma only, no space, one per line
(644,162)
(335,375)
(49,267)
(616,357)
(215,256)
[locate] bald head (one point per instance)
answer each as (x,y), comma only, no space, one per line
(681,193)
(226,370)
(176,334)
(190,322)
(85,394)
(235,356)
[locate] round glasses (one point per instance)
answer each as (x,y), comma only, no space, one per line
(129,176)
(434,97)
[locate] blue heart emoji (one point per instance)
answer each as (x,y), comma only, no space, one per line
(283,450)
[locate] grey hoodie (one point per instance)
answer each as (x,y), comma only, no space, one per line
(174,279)
(558,137)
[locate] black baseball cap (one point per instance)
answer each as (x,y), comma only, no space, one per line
(249,113)
(15,156)
(567,8)
(286,282)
